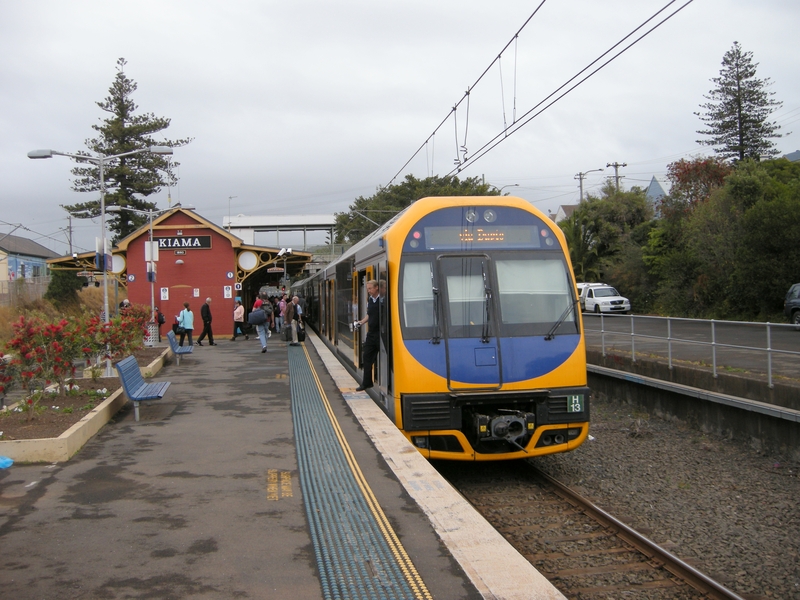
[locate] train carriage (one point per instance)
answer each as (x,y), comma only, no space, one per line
(482,354)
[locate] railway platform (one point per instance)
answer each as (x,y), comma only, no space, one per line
(257,476)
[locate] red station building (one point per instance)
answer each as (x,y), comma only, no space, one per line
(196,260)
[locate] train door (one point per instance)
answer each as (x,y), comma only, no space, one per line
(359,308)
(384,380)
(468,313)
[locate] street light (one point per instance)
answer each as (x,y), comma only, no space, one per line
(100,161)
(152,253)
(500,191)
(582,176)
(284,253)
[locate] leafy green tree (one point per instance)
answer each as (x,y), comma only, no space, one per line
(63,287)
(671,265)
(604,236)
(738,110)
(582,244)
(131,179)
(760,208)
(367,214)
(611,216)
(734,254)
(628,271)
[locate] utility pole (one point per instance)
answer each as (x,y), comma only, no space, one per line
(229,211)
(581,176)
(69,233)
(616,166)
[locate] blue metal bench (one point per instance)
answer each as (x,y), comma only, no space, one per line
(176,349)
(134,384)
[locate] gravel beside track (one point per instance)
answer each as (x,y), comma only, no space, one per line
(722,507)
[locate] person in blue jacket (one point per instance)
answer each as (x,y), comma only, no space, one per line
(186,320)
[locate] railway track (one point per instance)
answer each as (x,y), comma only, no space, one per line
(585,552)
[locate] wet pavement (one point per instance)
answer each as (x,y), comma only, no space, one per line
(199,499)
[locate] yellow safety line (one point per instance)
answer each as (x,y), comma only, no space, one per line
(406,565)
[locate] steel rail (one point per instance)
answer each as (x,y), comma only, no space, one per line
(672,563)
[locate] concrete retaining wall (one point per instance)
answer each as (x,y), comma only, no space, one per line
(65,446)
(761,431)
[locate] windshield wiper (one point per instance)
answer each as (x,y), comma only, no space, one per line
(552,333)
(436,331)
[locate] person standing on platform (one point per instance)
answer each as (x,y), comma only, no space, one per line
(262,328)
(238,321)
(279,320)
(372,344)
(294,315)
(186,320)
(205,314)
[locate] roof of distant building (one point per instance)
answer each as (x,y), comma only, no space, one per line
(793,156)
(564,212)
(655,190)
(13,244)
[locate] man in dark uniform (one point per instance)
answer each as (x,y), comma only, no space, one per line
(372,344)
(205,314)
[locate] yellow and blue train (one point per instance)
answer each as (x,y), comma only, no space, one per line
(482,353)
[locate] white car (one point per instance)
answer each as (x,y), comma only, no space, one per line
(605,299)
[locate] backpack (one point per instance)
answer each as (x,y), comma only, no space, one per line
(267,308)
(161,318)
(257,317)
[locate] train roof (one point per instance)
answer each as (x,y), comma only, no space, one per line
(373,237)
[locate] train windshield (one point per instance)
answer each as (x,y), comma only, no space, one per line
(510,294)
(482,272)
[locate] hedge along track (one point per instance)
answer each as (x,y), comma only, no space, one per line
(358,553)
(585,552)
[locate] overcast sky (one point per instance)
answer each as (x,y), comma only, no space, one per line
(300,107)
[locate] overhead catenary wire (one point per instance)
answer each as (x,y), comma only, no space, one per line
(543,104)
(457,104)
(495,141)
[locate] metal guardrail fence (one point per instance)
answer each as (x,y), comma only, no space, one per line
(771,347)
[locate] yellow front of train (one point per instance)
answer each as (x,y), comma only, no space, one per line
(487,346)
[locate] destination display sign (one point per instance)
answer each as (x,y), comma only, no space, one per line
(497,236)
(184,242)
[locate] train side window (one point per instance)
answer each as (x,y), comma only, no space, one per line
(417,301)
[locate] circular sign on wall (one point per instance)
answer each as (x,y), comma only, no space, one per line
(118,263)
(247,260)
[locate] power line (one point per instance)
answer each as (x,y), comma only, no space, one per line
(467,93)
(541,106)
(494,142)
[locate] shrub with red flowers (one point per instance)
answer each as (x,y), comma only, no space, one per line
(124,333)
(44,353)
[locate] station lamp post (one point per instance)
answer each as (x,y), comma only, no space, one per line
(101,160)
(285,252)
